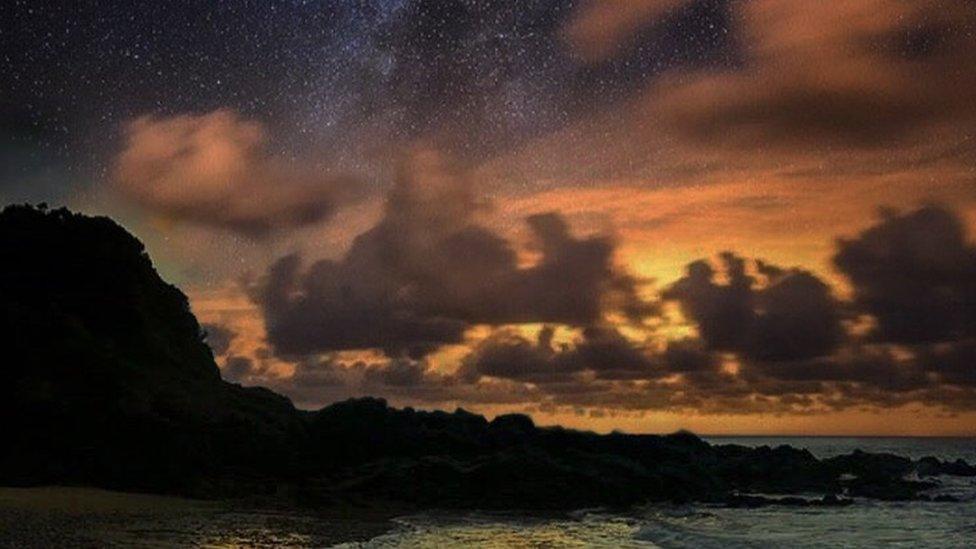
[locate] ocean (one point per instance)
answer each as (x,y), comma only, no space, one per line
(864,524)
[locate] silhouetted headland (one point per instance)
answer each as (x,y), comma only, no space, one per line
(108,382)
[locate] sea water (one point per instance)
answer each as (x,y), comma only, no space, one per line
(864,524)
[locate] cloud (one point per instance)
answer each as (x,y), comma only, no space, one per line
(508,354)
(219,338)
(602,28)
(849,73)
(915,273)
(333,307)
(213,170)
(602,353)
(793,91)
(775,314)
(240,369)
(954,363)
(866,366)
(690,356)
(427,271)
(399,373)
(769,339)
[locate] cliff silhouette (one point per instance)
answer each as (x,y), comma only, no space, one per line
(107,381)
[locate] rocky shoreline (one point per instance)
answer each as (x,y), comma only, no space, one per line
(509,463)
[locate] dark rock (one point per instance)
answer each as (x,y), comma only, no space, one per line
(516,423)
(869,466)
(959,468)
(930,466)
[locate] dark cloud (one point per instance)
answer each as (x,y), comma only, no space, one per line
(239,369)
(916,274)
(610,355)
(219,338)
(507,354)
(776,314)
(427,271)
(876,367)
(913,272)
(954,363)
(398,373)
(332,307)
(602,353)
(690,356)
(770,339)
(318,374)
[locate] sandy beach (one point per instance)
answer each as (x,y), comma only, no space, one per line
(87,517)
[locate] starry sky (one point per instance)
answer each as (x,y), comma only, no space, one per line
(734,216)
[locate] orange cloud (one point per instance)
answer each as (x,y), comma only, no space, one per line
(788,221)
(853,88)
(856,73)
(602,28)
(213,170)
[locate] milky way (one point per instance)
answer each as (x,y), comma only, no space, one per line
(482,76)
(599,212)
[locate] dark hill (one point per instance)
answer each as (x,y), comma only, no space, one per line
(107,380)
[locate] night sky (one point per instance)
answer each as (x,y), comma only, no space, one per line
(732,216)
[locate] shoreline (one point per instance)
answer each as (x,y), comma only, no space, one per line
(69,516)
(73,516)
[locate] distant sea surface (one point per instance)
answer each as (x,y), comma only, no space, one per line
(824,447)
(864,524)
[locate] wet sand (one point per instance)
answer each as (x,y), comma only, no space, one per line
(86,517)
